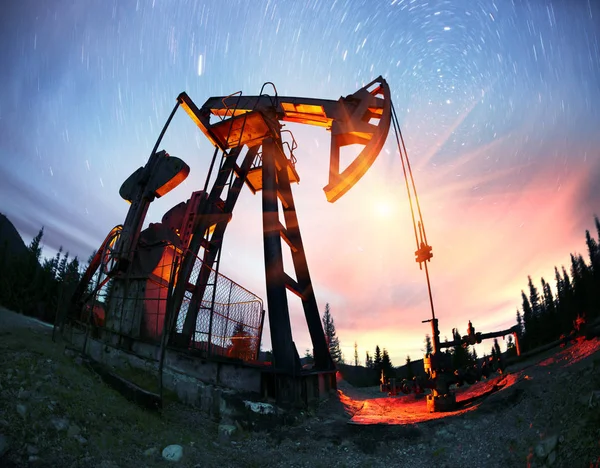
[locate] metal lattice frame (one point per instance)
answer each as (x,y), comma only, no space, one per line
(230,316)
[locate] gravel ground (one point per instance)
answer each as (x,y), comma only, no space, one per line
(55,412)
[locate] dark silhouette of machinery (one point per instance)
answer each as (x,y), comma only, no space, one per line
(440,374)
(164,282)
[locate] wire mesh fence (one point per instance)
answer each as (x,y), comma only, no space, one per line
(229,320)
(229,317)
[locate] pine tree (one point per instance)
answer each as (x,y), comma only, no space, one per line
(377,359)
(550,321)
(386,363)
(35,247)
(497,348)
(460,356)
(355,354)
(409,372)
(593,251)
(534,299)
(428,345)
(56,261)
(369,361)
(519,322)
(330,335)
(62,267)
(528,322)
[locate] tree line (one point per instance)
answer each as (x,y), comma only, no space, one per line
(37,288)
(544,316)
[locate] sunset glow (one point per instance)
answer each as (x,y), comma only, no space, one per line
(498,113)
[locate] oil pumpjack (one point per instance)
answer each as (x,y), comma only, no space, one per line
(162,281)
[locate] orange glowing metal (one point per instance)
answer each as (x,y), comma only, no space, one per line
(411,409)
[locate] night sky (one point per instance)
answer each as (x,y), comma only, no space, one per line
(498,103)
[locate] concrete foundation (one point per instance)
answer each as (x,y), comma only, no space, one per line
(219,387)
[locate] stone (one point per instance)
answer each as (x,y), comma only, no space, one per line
(79,438)
(226,430)
(258,407)
(73,430)
(60,424)
(3,445)
(150,452)
(23,394)
(546,446)
(33,459)
(172,453)
(32,449)
(551,458)
(22,410)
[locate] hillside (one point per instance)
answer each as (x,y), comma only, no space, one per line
(11,243)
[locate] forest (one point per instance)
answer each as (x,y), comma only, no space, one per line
(40,287)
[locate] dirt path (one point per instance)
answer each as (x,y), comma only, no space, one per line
(55,412)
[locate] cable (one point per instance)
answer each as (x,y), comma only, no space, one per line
(421,236)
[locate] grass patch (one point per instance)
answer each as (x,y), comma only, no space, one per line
(47,386)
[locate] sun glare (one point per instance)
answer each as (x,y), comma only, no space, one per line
(384,209)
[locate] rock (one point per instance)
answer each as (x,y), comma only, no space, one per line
(594,398)
(551,458)
(3,445)
(546,446)
(443,433)
(4,423)
(23,394)
(227,430)
(22,410)
(33,459)
(60,424)
(173,453)
(32,449)
(258,407)
(150,452)
(79,438)
(73,430)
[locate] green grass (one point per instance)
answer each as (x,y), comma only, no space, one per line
(61,388)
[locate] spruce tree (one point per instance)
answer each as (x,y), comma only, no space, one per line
(35,248)
(497,347)
(409,372)
(369,361)
(550,322)
(460,356)
(529,322)
(377,359)
(519,322)
(330,335)
(534,299)
(355,354)
(428,345)
(386,363)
